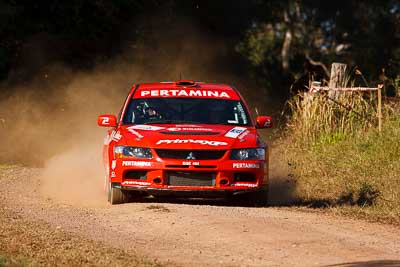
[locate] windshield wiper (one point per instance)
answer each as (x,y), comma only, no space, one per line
(172,122)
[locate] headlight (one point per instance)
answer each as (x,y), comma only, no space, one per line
(132,152)
(248,154)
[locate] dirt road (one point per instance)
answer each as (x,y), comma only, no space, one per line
(182,234)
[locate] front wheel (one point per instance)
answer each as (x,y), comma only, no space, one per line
(115,195)
(260,197)
(257,198)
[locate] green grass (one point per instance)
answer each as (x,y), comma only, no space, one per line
(351,168)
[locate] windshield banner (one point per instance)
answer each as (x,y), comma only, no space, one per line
(202,93)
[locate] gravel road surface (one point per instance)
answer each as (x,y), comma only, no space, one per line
(180,233)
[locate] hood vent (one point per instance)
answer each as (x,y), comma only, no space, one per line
(186,83)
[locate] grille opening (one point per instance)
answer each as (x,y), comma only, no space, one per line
(137,175)
(244,177)
(205,166)
(183,178)
(177,166)
(194,166)
(184,154)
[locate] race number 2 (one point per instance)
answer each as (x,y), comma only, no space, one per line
(106,120)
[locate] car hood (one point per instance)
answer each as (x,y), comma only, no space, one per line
(189,136)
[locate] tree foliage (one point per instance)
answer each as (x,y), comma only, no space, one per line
(364,34)
(278,41)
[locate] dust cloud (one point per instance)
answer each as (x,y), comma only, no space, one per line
(52,124)
(50,120)
(282,186)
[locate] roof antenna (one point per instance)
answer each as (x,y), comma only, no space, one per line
(180,76)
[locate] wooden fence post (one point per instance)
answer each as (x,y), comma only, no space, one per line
(338,71)
(380,108)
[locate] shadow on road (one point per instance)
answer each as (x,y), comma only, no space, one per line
(280,194)
(375,263)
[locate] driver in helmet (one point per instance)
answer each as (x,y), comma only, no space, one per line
(152,114)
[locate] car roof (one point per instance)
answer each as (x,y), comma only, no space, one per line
(185,88)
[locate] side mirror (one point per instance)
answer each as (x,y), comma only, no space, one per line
(107,120)
(264,122)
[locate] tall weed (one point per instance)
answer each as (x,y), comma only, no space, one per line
(338,157)
(318,118)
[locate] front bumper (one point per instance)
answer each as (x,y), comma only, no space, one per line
(206,177)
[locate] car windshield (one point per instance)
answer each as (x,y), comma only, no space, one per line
(185,110)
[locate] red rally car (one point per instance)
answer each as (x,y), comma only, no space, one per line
(187,139)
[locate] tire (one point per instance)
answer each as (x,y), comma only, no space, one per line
(260,197)
(115,195)
(257,198)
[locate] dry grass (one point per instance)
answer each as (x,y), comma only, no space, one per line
(16,261)
(29,243)
(338,159)
(316,116)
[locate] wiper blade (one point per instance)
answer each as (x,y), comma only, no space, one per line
(171,122)
(157,122)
